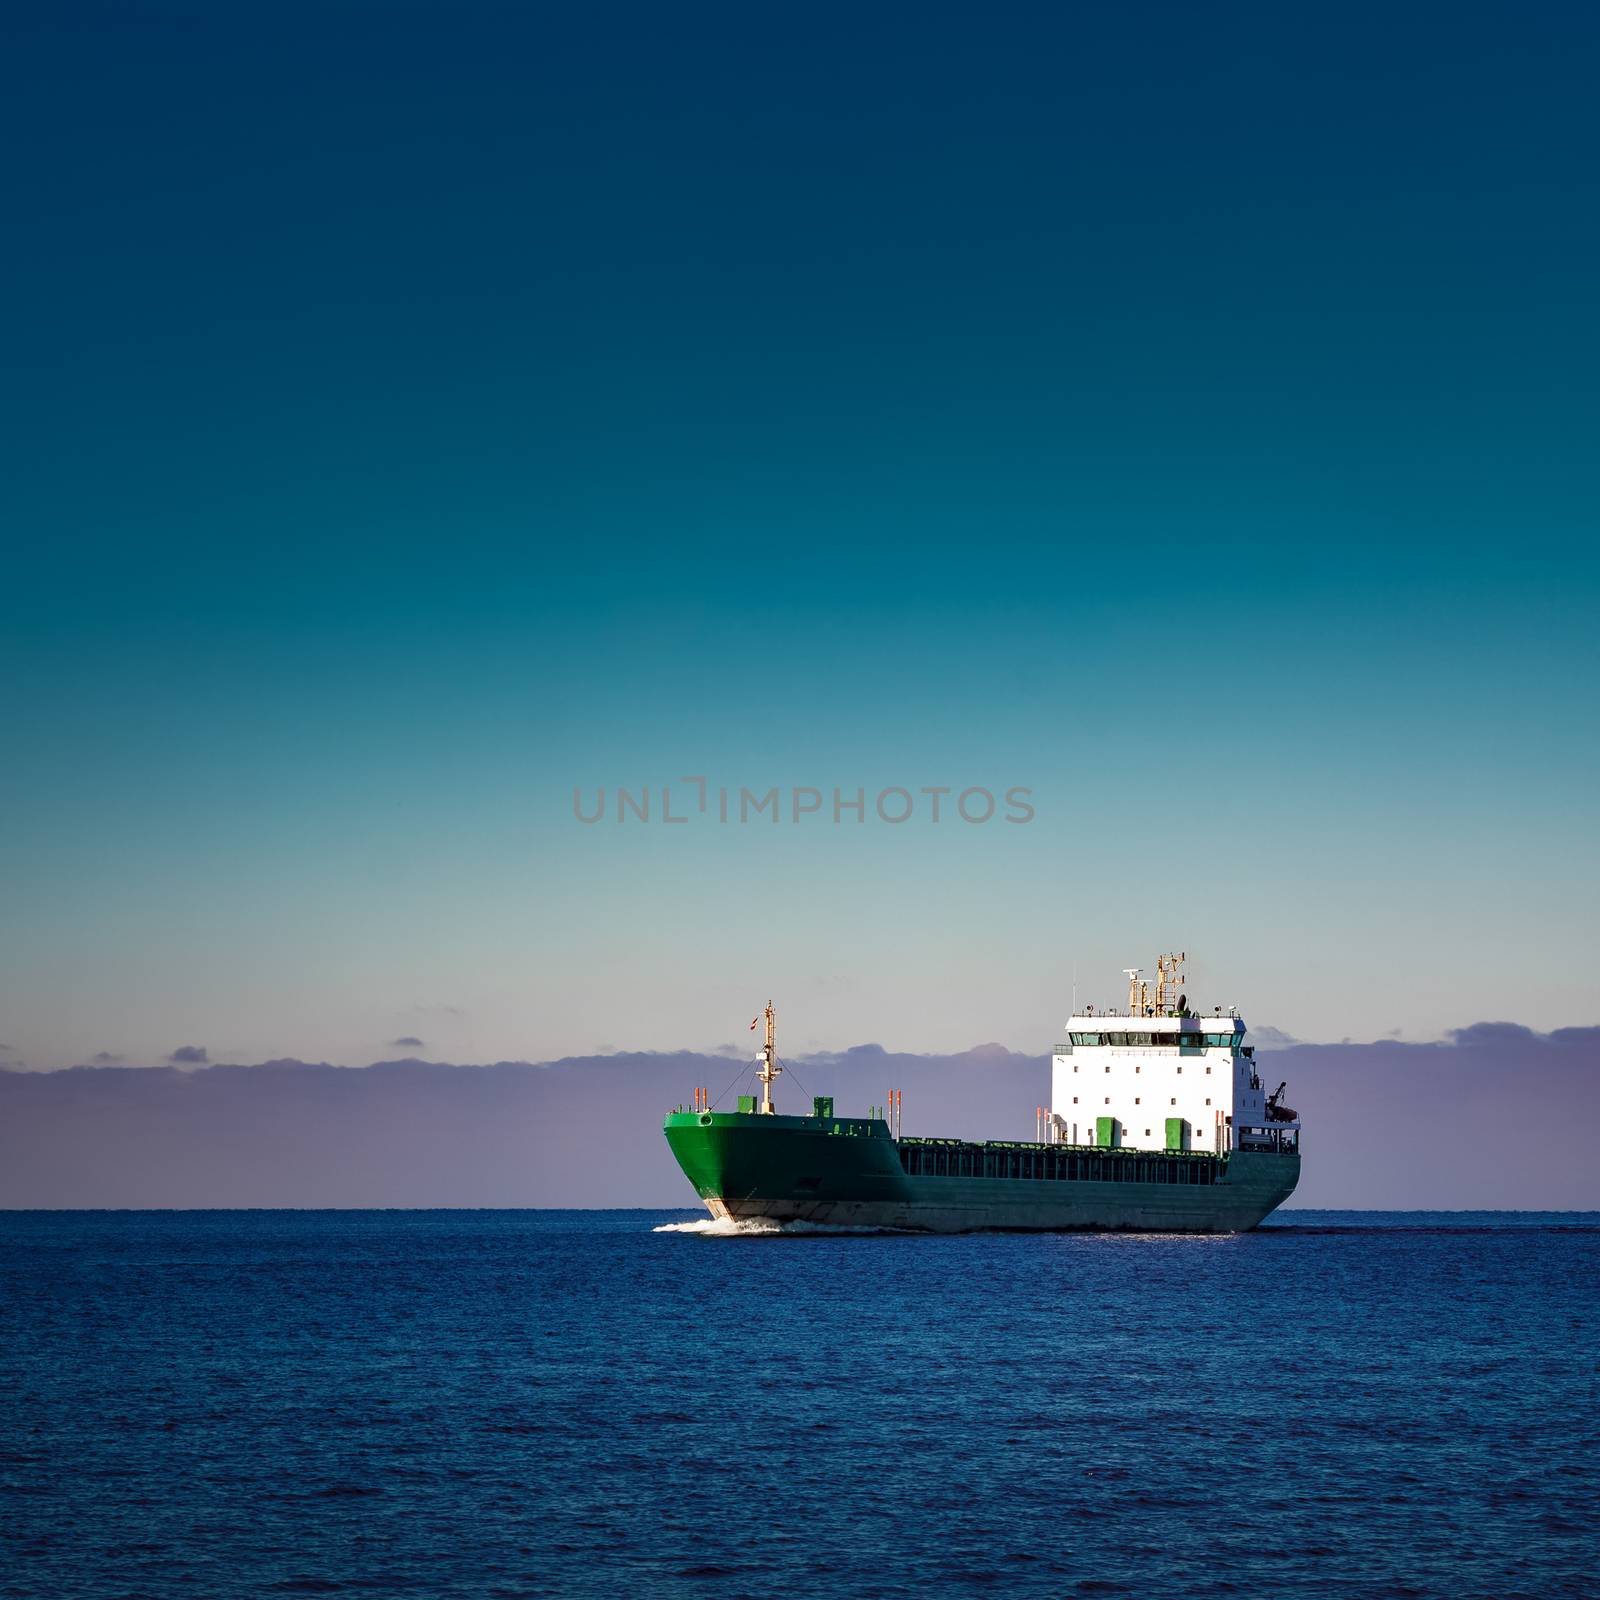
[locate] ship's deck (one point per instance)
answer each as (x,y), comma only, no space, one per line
(954,1158)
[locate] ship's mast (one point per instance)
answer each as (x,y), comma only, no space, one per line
(1169,981)
(769,1068)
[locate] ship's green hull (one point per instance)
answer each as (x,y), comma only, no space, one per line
(850,1172)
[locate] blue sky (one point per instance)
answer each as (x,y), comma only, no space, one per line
(414,414)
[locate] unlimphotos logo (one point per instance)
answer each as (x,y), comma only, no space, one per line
(697,798)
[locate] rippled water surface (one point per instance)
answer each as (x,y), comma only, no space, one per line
(603,1403)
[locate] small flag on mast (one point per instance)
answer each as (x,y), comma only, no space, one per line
(755,1019)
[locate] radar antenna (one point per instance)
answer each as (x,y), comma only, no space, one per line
(1133,989)
(769,1068)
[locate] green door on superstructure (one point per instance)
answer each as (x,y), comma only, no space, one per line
(1177,1134)
(1105,1132)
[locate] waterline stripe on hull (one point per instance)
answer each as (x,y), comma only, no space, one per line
(1122,1214)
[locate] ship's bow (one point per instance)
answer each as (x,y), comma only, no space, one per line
(749,1164)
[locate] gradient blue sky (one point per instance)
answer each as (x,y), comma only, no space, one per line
(1189,413)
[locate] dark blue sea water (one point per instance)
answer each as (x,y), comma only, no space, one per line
(486,1404)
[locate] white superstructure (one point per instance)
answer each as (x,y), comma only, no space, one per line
(1161,1076)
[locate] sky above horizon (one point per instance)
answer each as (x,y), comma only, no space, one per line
(415,416)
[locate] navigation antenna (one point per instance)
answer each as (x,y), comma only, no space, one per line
(1133,990)
(769,1068)
(1169,981)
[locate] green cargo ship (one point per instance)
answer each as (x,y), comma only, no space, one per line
(1158,1124)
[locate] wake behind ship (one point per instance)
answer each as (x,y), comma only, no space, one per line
(1158,1123)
